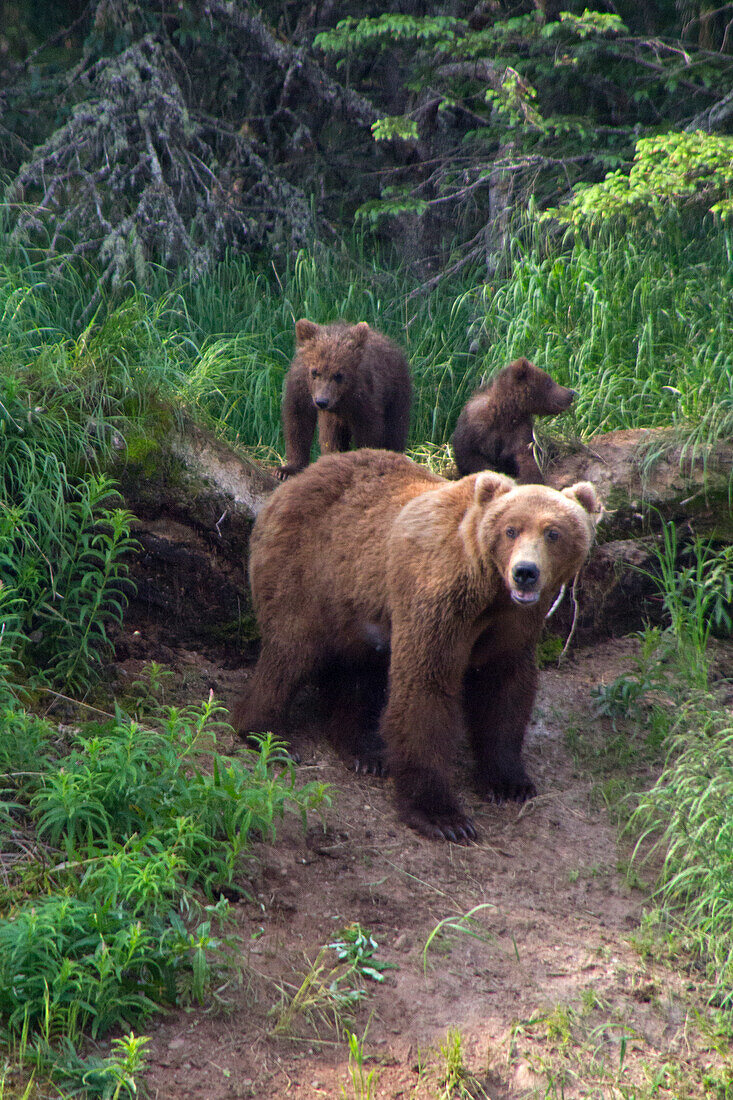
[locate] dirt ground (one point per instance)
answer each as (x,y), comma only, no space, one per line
(554,989)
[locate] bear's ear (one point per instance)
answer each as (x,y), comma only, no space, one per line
(584,493)
(520,369)
(305,331)
(490,485)
(359,333)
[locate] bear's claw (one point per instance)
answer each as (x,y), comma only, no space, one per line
(520,789)
(457,828)
(370,766)
(282,473)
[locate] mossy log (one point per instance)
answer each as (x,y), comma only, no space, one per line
(196,499)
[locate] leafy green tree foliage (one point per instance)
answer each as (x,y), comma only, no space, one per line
(176,131)
(679,171)
(498,107)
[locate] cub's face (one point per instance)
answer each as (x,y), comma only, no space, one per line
(331,355)
(538,538)
(546,397)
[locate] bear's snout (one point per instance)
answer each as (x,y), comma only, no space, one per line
(525,576)
(320,402)
(563,399)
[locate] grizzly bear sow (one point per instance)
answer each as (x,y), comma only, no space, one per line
(367,547)
(494,431)
(354,382)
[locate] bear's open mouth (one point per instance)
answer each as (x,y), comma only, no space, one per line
(522,597)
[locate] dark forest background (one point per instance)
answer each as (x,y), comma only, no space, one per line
(172,133)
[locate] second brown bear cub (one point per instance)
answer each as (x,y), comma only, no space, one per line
(352,381)
(495,430)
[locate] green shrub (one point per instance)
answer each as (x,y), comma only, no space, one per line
(63,542)
(138,826)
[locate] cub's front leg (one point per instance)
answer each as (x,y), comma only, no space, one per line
(299,423)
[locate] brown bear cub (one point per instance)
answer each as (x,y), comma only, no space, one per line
(367,558)
(494,431)
(354,382)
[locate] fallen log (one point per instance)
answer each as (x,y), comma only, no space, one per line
(196,497)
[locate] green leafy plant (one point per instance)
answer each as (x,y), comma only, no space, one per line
(464,924)
(133,823)
(363,1083)
(63,542)
(623,698)
(89,591)
(332,989)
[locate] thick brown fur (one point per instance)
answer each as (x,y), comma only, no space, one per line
(352,381)
(495,429)
(368,547)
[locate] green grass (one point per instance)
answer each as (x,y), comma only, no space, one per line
(686,818)
(641,326)
(666,710)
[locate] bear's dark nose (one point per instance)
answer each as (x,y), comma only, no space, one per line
(525,574)
(321,402)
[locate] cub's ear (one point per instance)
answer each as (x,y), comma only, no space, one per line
(521,368)
(359,333)
(490,485)
(305,331)
(585,494)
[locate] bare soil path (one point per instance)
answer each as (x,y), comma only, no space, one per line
(556,992)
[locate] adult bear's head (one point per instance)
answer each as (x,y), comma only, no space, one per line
(536,537)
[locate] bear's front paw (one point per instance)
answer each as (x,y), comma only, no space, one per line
(282,473)
(456,827)
(510,788)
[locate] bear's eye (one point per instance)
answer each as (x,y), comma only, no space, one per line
(314,374)
(338,376)
(552,534)
(511,532)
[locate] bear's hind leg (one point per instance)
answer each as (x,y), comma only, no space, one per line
(352,698)
(498,701)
